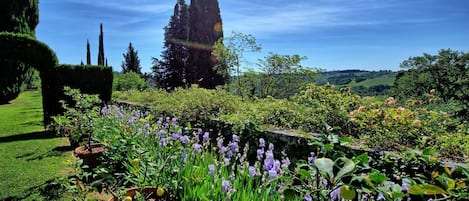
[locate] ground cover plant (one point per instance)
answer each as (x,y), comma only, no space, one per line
(186,163)
(30,157)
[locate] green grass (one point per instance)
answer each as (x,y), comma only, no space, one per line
(374,82)
(29,157)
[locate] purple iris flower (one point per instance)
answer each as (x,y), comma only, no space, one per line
(261,142)
(260,153)
(308,198)
(196,147)
(272,174)
(205,138)
(335,194)
(211,169)
(225,186)
(252,171)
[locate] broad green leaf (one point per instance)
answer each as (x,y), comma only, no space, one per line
(429,151)
(377,177)
(325,165)
(348,167)
(347,192)
(362,158)
(425,189)
(395,188)
(289,194)
(303,173)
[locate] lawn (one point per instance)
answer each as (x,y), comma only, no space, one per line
(30,158)
(374,82)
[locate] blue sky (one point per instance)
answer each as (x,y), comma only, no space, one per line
(333,34)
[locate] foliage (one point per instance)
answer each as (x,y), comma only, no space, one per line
(446,73)
(76,122)
(283,75)
(128,81)
(24,48)
(229,53)
(194,105)
(89,79)
(19,17)
(205,27)
(33,80)
(131,61)
(190,164)
(186,58)
(378,124)
(173,69)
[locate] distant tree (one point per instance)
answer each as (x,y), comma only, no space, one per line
(230,56)
(205,27)
(81,63)
(283,75)
(106,62)
(101,46)
(131,61)
(447,73)
(88,53)
(173,70)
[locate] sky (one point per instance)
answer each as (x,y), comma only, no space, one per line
(332,34)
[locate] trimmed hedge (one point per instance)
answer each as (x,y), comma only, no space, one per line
(25,48)
(89,79)
(31,52)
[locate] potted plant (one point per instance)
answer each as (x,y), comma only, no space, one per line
(77,124)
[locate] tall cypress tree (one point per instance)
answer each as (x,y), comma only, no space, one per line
(173,68)
(131,61)
(205,28)
(101,47)
(88,53)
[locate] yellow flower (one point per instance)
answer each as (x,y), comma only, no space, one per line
(128,198)
(416,123)
(159,192)
(135,162)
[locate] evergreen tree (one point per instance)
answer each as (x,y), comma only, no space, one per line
(205,27)
(172,70)
(131,61)
(101,47)
(88,53)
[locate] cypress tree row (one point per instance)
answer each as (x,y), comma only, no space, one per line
(101,47)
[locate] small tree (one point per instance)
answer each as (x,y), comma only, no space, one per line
(131,61)
(283,75)
(230,55)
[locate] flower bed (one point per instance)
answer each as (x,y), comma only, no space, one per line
(191,164)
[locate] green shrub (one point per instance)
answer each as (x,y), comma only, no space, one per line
(128,81)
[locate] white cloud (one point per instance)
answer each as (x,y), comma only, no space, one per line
(145,6)
(280,17)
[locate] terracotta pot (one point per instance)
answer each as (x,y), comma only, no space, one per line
(91,159)
(149,192)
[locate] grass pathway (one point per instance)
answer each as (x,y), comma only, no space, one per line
(29,156)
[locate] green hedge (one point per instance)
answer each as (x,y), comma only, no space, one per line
(25,48)
(89,79)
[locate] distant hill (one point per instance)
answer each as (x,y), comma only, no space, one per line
(365,83)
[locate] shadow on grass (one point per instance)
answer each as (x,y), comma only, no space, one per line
(29,136)
(56,152)
(52,189)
